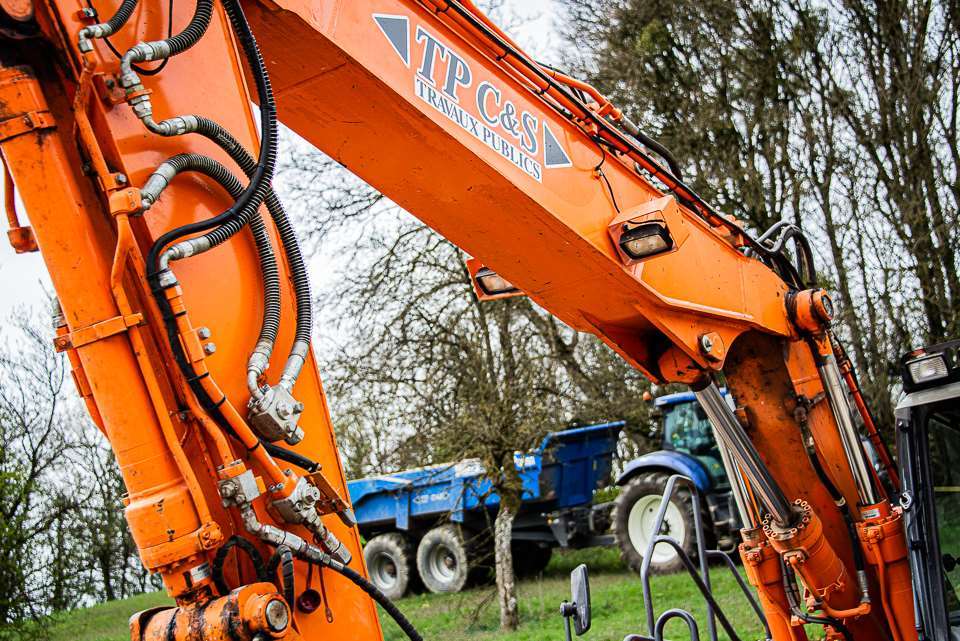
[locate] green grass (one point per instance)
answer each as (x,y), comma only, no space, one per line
(617,598)
(104,622)
(473,614)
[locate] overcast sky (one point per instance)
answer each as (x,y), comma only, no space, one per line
(23,277)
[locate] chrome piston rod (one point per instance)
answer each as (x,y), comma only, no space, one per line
(735,439)
(736,484)
(843,414)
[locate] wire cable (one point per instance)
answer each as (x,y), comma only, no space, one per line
(382,599)
(141,70)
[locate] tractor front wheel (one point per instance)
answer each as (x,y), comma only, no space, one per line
(635,514)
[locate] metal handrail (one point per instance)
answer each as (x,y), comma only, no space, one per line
(701,578)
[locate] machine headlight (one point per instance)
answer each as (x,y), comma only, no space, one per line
(645,240)
(493,283)
(928,368)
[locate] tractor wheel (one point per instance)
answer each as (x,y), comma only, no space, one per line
(389,559)
(443,560)
(530,558)
(634,515)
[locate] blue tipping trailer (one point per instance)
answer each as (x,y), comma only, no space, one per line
(442,511)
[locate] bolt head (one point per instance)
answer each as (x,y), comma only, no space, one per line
(121,179)
(277,615)
(203,332)
(705,343)
(209,348)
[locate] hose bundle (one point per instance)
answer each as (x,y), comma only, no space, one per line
(256,190)
(162,176)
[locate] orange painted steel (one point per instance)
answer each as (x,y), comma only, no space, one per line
(762,566)
(830,585)
(167,448)
(881,535)
(21,237)
(74,237)
(238,616)
(431,103)
(341,84)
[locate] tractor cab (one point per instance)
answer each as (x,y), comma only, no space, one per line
(928,442)
(687,430)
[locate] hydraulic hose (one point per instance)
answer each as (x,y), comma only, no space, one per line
(790,587)
(654,145)
(288,238)
(104,29)
(859,561)
(252,553)
(255,191)
(283,558)
(382,599)
(270,325)
(168,47)
(289,456)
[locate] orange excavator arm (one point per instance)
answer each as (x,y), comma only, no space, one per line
(131,144)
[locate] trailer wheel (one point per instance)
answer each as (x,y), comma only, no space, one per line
(389,559)
(443,559)
(634,514)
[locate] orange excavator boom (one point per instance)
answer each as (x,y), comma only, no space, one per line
(146,180)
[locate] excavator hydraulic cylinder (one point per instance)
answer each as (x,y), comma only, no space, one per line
(168,518)
(762,565)
(253,611)
(884,542)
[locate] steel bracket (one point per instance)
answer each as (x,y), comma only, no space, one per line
(97,331)
(25,123)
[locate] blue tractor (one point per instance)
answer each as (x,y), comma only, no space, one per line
(688,448)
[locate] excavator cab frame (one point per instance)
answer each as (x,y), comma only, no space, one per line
(928,442)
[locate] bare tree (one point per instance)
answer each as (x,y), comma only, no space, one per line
(31,416)
(839,116)
(63,540)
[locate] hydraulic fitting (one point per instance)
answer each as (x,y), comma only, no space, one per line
(275,414)
(86,35)
(805,547)
(299,507)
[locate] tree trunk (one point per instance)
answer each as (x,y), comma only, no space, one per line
(503,558)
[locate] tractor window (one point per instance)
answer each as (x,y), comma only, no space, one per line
(687,429)
(943,429)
